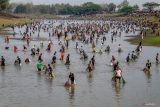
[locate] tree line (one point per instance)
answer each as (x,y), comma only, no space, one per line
(67,9)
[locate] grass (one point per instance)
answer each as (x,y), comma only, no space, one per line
(38,16)
(152,40)
(4,22)
(149,40)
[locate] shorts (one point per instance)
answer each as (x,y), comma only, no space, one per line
(118,77)
(39,69)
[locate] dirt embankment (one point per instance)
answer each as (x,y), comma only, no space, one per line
(7,15)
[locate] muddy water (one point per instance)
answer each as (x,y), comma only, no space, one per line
(24,87)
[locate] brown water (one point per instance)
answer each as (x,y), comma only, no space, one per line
(24,87)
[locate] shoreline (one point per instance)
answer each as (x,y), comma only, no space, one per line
(8,22)
(145,41)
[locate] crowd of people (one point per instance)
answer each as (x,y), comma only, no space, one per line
(88,33)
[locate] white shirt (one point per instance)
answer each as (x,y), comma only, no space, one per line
(118,73)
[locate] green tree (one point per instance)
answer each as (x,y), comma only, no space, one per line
(136,7)
(12,7)
(77,10)
(20,9)
(151,5)
(52,10)
(4,4)
(111,7)
(90,8)
(44,9)
(29,7)
(66,9)
(105,7)
(127,9)
(59,9)
(123,4)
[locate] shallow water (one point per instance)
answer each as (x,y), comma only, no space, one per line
(24,87)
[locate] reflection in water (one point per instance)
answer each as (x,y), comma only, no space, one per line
(148,75)
(157,69)
(108,53)
(90,81)
(49,83)
(117,88)
(18,67)
(68,67)
(90,77)
(71,93)
(39,76)
(54,65)
(2,84)
(3,68)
